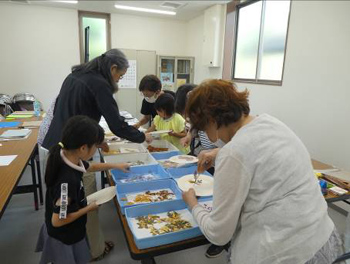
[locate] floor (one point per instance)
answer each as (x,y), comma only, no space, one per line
(20,225)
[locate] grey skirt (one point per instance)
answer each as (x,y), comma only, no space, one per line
(330,251)
(57,252)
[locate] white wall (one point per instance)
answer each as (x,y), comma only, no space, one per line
(40,44)
(37,48)
(314,97)
(166,37)
(195,32)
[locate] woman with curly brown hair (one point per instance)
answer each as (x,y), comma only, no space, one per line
(266,198)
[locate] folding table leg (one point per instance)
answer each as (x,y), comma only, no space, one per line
(37,163)
(32,165)
(103,180)
(148,261)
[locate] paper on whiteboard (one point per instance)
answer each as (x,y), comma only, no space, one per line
(129,78)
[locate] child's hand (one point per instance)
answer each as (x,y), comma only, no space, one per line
(92,206)
(172,133)
(149,138)
(185,141)
(125,167)
(104,146)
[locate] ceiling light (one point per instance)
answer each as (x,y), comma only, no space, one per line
(172,5)
(141,9)
(66,2)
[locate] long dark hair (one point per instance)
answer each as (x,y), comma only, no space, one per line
(103,65)
(181,97)
(78,131)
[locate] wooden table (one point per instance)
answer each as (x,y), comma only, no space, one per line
(330,197)
(27,154)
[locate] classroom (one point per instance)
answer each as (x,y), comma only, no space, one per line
(174,131)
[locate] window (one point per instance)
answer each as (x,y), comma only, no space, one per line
(99,36)
(261,34)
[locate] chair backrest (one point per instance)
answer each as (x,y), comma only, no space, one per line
(5,105)
(23,102)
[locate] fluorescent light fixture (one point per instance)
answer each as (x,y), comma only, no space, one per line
(66,1)
(148,10)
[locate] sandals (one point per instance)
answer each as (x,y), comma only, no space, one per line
(109,245)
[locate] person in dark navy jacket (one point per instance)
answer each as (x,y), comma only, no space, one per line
(88,91)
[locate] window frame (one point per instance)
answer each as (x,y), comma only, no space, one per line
(237,7)
(89,14)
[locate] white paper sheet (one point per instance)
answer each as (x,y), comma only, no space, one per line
(18,133)
(31,124)
(6,160)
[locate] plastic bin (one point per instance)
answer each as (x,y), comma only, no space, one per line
(167,238)
(125,148)
(181,171)
(132,158)
(123,190)
(120,177)
(161,144)
(165,155)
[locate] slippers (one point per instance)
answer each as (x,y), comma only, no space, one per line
(109,245)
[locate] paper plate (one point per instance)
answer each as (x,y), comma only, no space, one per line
(183,159)
(159,132)
(102,196)
(203,187)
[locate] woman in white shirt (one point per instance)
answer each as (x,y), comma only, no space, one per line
(266,198)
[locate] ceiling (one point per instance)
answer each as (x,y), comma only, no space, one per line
(187,10)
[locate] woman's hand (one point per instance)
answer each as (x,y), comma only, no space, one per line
(190,198)
(125,167)
(206,159)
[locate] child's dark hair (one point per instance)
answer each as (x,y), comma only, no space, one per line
(150,83)
(170,92)
(165,102)
(78,131)
(181,97)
